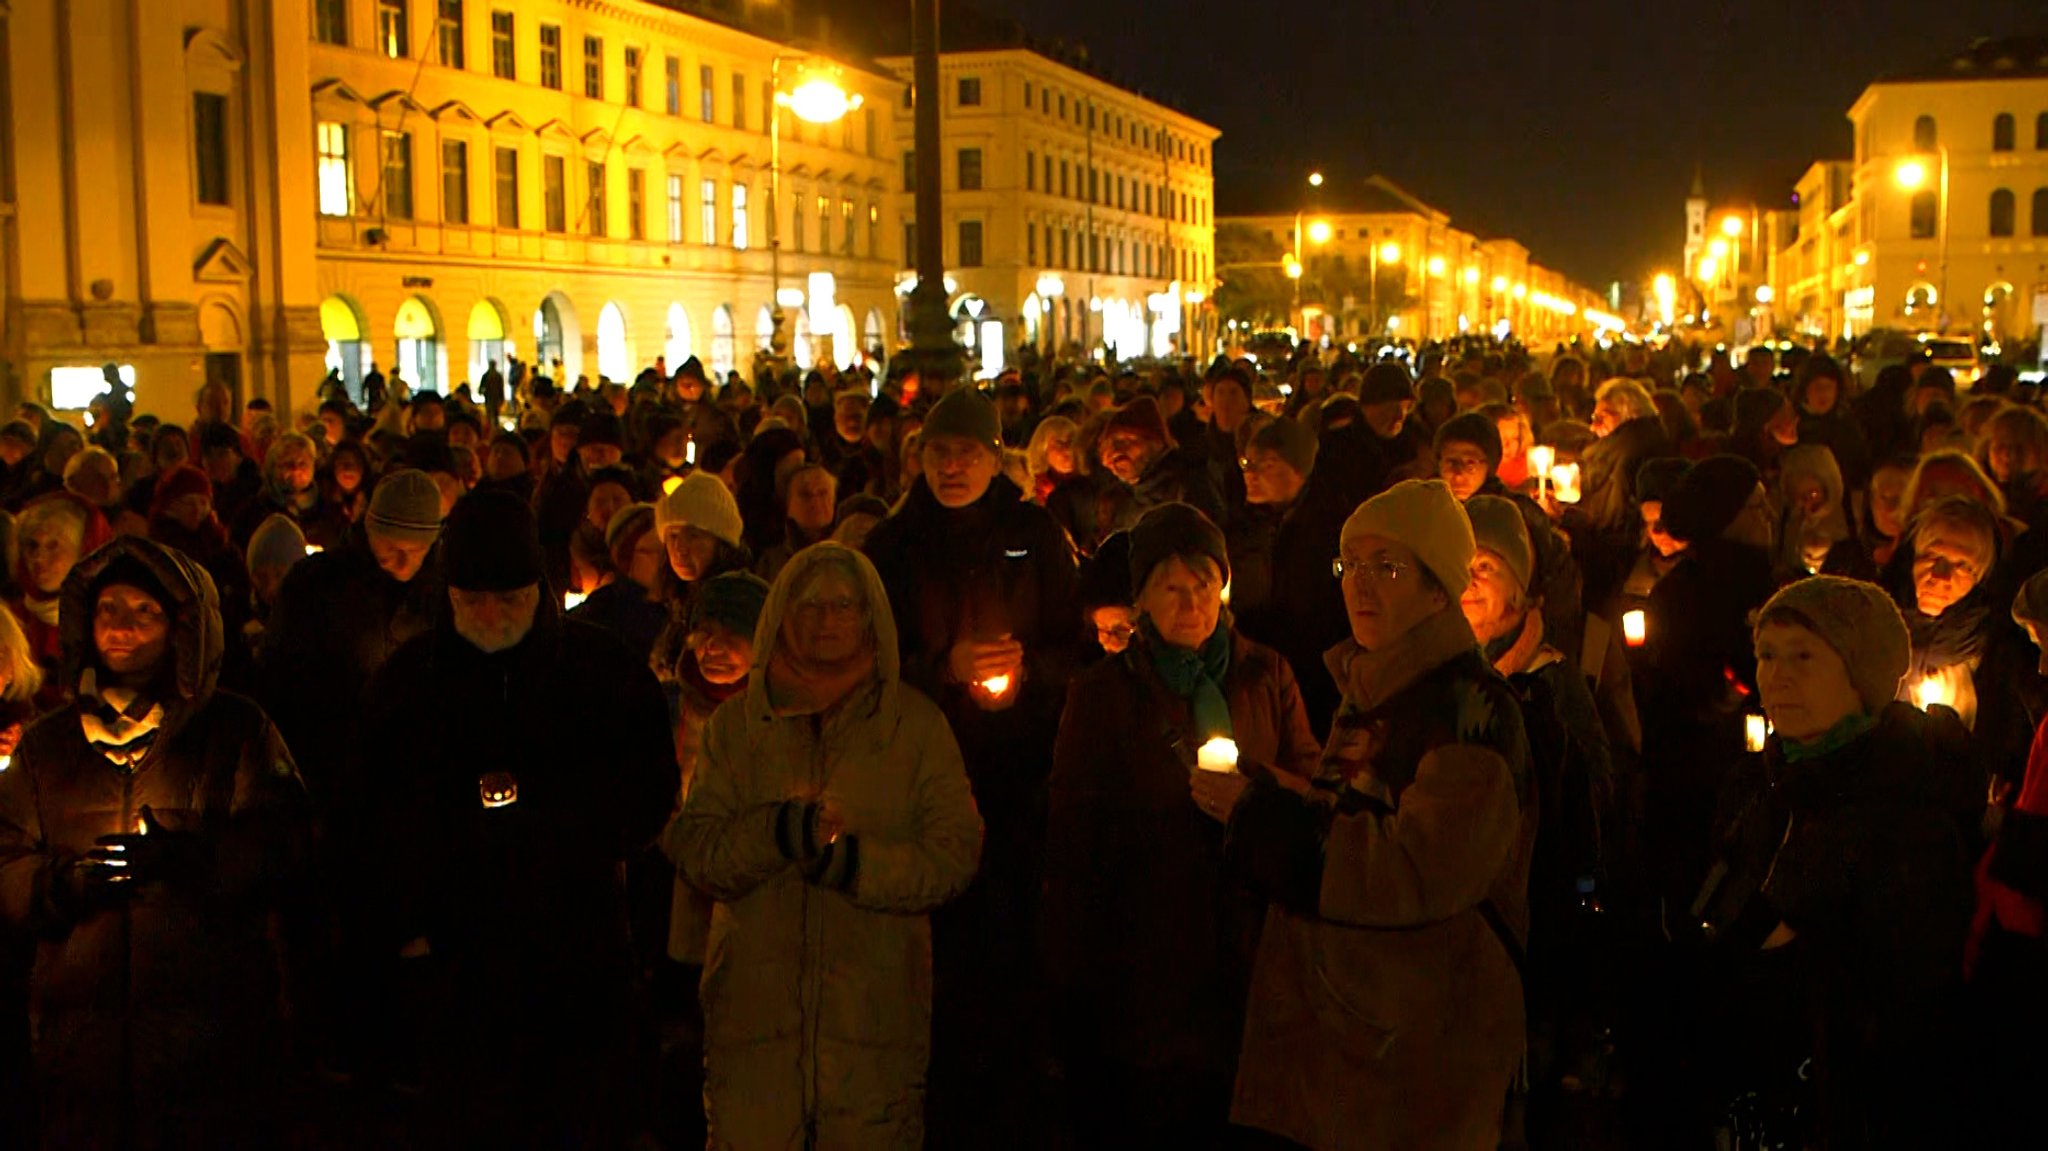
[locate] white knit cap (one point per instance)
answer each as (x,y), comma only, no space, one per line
(700,501)
(1424,516)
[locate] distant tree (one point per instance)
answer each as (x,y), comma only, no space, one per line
(1252,289)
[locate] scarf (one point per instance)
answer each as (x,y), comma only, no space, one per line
(1512,653)
(1196,675)
(1846,731)
(799,688)
(119,722)
(43,607)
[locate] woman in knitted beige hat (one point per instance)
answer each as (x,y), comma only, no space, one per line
(700,529)
(1838,898)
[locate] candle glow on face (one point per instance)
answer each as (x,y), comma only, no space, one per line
(1219,755)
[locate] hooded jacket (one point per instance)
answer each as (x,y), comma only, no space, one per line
(156,1016)
(817,996)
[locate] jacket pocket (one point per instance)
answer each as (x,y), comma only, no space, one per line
(1361,1032)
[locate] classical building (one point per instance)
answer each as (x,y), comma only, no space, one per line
(1376,260)
(257,192)
(1078,213)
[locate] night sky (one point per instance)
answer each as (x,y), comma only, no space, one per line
(1571,125)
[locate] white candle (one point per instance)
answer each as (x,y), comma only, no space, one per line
(572,600)
(6,761)
(1564,483)
(314,549)
(1755,730)
(1635,627)
(996,684)
(690,451)
(1219,755)
(1540,458)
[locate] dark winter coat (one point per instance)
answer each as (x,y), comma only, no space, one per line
(323,524)
(622,608)
(157,1017)
(559,505)
(1148,943)
(1605,525)
(1862,853)
(1181,475)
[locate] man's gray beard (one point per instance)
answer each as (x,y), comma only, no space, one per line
(488,642)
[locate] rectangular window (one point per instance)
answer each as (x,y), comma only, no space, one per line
(705,78)
(337,179)
(633,77)
(504,57)
(454,182)
(739,101)
(910,245)
(1048,173)
(1066,249)
(551,56)
(330,22)
(1027,95)
(636,203)
(1063,179)
(824,224)
(675,209)
(970,169)
(673,77)
(450,29)
(505,177)
(909,170)
(394,34)
(398,175)
(874,231)
(594,215)
(593,67)
(1030,243)
(1031,171)
(554,180)
(846,227)
(740,236)
(707,211)
(970,91)
(796,224)
(970,243)
(210,146)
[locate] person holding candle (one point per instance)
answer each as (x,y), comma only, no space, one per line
(1602,526)
(522,758)
(1838,904)
(1148,944)
(1386,1004)
(700,527)
(830,815)
(149,831)
(983,588)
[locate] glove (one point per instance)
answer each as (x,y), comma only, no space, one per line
(838,865)
(797,832)
(81,886)
(154,853)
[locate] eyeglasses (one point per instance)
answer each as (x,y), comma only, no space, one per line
(1376,570)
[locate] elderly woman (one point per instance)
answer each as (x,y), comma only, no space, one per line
(146,833)
(1967,653)
(2014,449)
(830,815)
(1386,1008)
(289,469)
(1838,902)
(1813,517)
(1148,945)
(55,531)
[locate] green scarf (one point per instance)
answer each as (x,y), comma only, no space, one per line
(1196,675)
(1846,731)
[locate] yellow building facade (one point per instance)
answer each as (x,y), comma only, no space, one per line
(259,192)
(1077,213)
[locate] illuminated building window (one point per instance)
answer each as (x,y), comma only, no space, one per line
(337,178)
(551,56)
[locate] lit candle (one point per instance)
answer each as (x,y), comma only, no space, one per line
(1541,457)
(314,549)
(1931,691)
(1564,483)
(572,600)
(1635,627)
(6,761)
(1219,755)
(996,684)
(1755,730)
(690,451)
(670,484)
(498,789)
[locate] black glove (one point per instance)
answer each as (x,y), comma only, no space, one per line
(81,886)
(154,853)
(837,865)
(796,832)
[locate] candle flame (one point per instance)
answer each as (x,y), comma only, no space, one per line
(1635,627)
(1755,730)
(573,600)
(1219,754)
(996,684)
(1931,691)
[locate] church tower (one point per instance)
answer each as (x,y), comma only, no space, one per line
(1695,224)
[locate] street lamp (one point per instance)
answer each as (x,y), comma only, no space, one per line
(1292,263)
(1319,232)
(1911,175)
(818,100)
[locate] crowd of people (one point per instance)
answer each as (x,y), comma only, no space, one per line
(1606,747)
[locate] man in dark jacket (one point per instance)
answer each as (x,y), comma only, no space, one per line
(983,587)
(1140,453)
(506,826)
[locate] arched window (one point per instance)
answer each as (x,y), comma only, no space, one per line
(2002,132)
(2003,208)
(1925,138)
(1924,214)
(2040,227)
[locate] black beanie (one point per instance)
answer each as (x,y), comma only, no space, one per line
(1384,382)
(491,543)
(1657,477)
(1291,440)
(1709,497)
(734,599)
(1475,429)
(1174,530)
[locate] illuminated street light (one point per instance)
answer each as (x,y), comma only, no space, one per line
(1319,232)
(1315,179)
(1861,258)
(1500,284)
(1764,294)
(1436,265)
(1390,253)
(819,101)
(1471,275)
(1665,288)
(1710,269)
(1718,249)
(1910,174)
(1731,226)
(1292,267)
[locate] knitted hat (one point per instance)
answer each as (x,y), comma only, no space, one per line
(174,485)
(406,506)
(1703,504)
(1291,440)
(966,413)
(493,544)
(601,428)
(734,599)
(1425,516)
(1140,415)
(627,525)
(1475,429)
(1497,526)
(1384,382)
(1859,621)
(1170,530)
(1656,477)
(701,501)
(1437,390)
(278,543)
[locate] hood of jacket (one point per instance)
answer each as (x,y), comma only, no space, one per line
(197,641)
(768,633)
